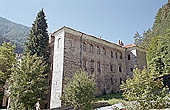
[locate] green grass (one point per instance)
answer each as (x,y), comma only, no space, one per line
(112,98)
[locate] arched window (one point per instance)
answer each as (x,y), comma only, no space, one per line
(91,48)
(98,50)
(111,54)
(120,55)
(104,51)
(111,67)
(116,55)
(58,42)
(84,46)
(120,68)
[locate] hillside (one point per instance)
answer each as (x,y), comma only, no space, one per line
(15,33)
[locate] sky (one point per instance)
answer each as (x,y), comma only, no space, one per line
(113,20)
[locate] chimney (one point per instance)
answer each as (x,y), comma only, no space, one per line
(120,43)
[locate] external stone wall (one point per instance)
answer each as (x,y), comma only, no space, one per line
(141,59)
(135,58)
(57,74)
(107,62)
(107,80)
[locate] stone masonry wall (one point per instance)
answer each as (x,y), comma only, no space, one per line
(107,80)
(107,62)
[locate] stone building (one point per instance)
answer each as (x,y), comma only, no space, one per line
(110,63)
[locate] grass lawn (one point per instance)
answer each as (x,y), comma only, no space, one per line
(112,98)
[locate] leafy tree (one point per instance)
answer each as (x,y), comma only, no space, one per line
(80,92)
(147,89)
(7,61)
(38,39)
(28,83)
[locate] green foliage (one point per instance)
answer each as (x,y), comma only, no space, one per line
(112,98)
(80,92)
(137,38)
(28,83)
(38,39)
(159,57)
(7,61)
(147,89)
(160,26)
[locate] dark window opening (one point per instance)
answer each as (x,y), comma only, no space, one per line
(98,67)
(98,50)
(111,81)
(131,69)
(84,46)
(120,80)
(120,55)
(128,57)
(91,66)
(91,48)
(116,55)
(111,67)
(120,68)
(104,51)
(111,54)
(59,40)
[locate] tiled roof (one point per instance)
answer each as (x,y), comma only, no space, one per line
(129,45)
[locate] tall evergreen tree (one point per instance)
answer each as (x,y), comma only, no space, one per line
(137,38)
(38,39)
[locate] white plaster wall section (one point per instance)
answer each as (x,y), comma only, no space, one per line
(57,76)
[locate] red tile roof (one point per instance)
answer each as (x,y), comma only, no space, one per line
(129,45)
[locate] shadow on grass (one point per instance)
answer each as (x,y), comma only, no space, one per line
(110,96)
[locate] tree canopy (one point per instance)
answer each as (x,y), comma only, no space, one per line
(7,61)
(80,92)
(38,38)
(28,83)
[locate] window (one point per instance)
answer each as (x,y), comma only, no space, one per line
(84,64)
(120,55)
(129,57)
(59,40)
(111,67)
(98,67)
(116,55)
(111,54)
(84,46)
(111,81)
(98,50)
(120,80)
(120,68)
(131,69)
(91,48)
(92,66)
(104,51)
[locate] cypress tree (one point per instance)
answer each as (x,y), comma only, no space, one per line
(37,42)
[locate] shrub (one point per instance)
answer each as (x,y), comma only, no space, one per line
(80,92)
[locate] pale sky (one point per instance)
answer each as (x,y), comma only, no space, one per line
(110,19)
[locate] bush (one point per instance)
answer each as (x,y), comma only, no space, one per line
(80,92)
(147,90)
